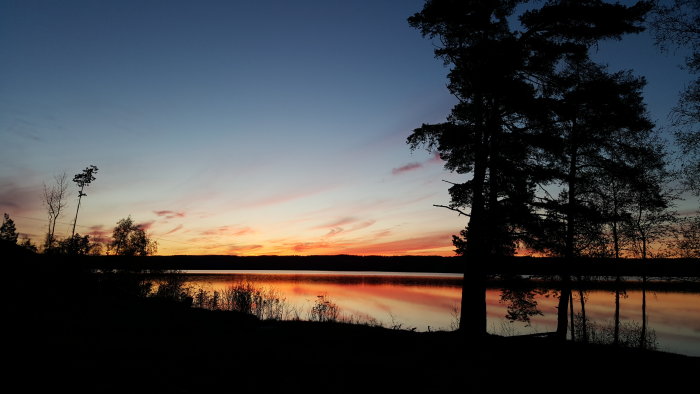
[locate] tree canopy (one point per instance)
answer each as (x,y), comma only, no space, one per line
(678,25)
(129,239)
(513,72)
(8,232)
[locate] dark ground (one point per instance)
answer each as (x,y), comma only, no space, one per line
(67,332)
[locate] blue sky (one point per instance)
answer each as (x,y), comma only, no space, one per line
(240,127)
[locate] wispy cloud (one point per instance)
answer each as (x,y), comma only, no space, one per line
(16,199)
(170,214)
(146,225)
(362,225)
(435,159)
(176,229)
(308,246)
(406,168)
(341,225)
(337,223)
(334,231)
(228,231)
(243,248)
(99,234)
(288,196)
(437,243)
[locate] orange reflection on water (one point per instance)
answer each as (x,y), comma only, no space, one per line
(431,303)
(424,303)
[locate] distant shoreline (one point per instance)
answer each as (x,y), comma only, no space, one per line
(418,264)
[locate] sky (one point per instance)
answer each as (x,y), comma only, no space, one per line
(242,127)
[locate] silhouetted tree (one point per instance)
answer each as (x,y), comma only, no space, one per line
(54,201)
(76,245)
(82,179)
(678,24)
(27,244)
(599,119)
(650,214)
(498,133)
(8,231)
(128,239)
(686,238)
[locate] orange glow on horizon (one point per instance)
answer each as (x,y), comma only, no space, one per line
(436,244)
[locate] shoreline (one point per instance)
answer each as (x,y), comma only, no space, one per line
(414,264)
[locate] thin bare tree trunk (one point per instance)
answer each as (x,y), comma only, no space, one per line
(80,196)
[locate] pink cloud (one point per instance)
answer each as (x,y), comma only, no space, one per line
(174,230)
(146,225)
(362,225)
(382,233)
(228,230)
(436,158)
(99,234)
(337,223)
(337,230)
(406,168)
(170,214)
(334,231)
(305,246)
(15,199)
(418,245)
(243,248)
(217,231)
(243,231)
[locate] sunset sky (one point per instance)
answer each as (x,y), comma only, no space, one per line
(242,127)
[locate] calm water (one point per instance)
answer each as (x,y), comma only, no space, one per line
(429,302)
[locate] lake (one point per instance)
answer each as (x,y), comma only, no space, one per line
(430,302)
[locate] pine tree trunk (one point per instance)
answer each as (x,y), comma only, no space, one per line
(562,323)
(473,313)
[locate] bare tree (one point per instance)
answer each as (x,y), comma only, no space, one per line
(82,179)
(54,200)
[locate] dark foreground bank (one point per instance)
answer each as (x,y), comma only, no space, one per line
(69,330)
(160,347)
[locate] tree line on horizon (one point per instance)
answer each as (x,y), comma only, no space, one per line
(128,238)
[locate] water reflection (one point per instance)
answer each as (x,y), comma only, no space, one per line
(666,315)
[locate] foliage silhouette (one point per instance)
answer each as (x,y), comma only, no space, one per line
(76,245)
(82,179)
(129,239)
(8,232)
(508,80)
(676,25)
